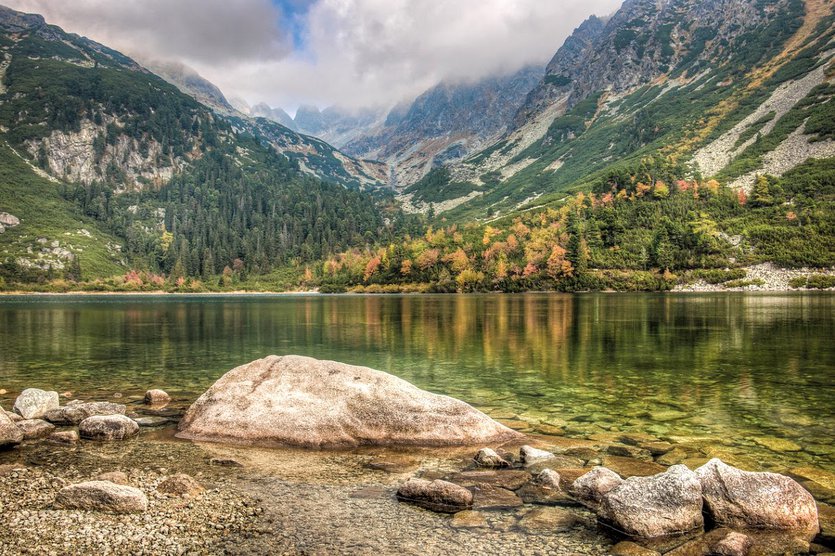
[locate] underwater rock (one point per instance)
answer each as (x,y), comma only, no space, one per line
(108,427)
(64,437)
(437,495)
(487,457)
(180,485)
(157,397)
(305,402)
(548,520)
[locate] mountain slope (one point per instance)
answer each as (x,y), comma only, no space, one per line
(670,78)
(129,159)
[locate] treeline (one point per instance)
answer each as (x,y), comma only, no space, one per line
(637,229)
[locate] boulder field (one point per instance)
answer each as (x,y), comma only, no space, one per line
(305,402)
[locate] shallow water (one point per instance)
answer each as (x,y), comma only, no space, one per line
(745,375)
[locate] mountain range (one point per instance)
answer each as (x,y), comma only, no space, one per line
(136,161)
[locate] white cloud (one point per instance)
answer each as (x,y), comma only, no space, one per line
(356,52)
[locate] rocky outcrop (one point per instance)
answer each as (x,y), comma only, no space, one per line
(102,496)
(74,414)
(301,401)
(34,403)
(8,221)
(669,503)
(438,496)
(756,500)
(108,427)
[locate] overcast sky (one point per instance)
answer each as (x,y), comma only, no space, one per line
(346,52)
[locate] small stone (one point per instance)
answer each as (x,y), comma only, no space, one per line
(629,548)
(115,477)
(63,437)
(437,495)
(33,403)
(10,433)
(734,544)
(180,485)
(548,520)
(487,457)
(102,496)
(108,427)
(530,455)
(157,397)
(225,462)
(35,428)
(152,421)
(489,497)
(468,519)
(590,488)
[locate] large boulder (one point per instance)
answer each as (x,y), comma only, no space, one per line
(10,433)
(756,500)
(108,427)
(33,403)
(300,401)
(74,414)
(438,496)
(669,503)
(102,496)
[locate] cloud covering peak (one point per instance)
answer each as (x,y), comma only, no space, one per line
(348,52)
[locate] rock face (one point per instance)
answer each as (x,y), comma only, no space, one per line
(744,499)
(102,496)
(33,403)
(108,427)
(591,487)
(10,433)
(438,496)
(74,414)
(649,507)
(300,401)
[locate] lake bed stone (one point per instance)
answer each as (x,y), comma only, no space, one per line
(510,479)
(157,397)
(489,497)
(487,457)
(74,413)
(102,496)
(64,437)
(180,485)
(33,403)
(468,519)
(439,496)
(300,401)
(530,455)
(548,520)
(108,427)
(115,477)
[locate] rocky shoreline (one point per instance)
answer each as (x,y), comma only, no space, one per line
(765,277)
(102,477)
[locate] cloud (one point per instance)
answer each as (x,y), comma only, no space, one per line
(348,52)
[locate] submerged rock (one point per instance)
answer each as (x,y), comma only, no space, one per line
(108,427)
(489,497)
(468,519)
(10,433)
(102,496)
(64,437)
(545,489)
(151,421)
(33,403)
(510,479)
(669,503)
(180,485)
(757,500)
(300,401)
(115,477)
(35,428)
(487,457)
(548,520)
(438,496)
(157,397)
(734,544)
(73,414)
(590,488)
(530,455)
